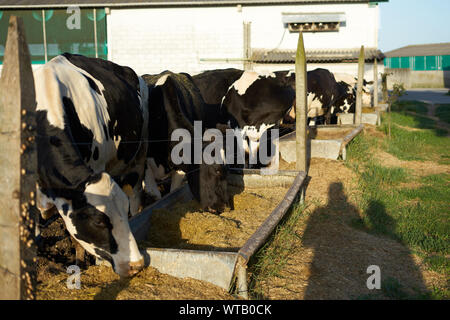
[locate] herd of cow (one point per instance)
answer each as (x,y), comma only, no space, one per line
(104,139)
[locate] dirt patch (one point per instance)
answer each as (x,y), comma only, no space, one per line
(330,257)
(373,131)
(409,128)
(420,168)
(185,226)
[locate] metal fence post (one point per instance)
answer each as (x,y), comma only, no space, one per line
(17,168)
(358,111)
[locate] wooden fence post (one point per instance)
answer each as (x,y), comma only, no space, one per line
(301,109)
(17,168)
(358,111)
(375,82)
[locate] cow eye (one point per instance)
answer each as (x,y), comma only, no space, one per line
(99,223)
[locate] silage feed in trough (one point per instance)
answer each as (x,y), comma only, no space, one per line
(329,135)
(185,226)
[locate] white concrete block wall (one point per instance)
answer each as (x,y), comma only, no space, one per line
(151,40)
(176,39)
(267,27)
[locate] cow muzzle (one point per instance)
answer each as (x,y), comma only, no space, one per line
(131,268)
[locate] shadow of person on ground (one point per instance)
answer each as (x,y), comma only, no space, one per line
(344,246)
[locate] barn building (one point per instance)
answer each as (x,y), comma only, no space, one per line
(419,66)
(196,35)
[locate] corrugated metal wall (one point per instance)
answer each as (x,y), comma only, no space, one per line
(419,63)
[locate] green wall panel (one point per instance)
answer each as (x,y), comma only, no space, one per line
(61,36)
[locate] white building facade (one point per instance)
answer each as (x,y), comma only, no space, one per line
(197,35)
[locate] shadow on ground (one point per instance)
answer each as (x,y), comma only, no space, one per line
(342,252)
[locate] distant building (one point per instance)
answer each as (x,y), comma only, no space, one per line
(420,66)
(196,35)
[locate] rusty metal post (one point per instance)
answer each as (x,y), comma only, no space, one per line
(375,82)
(18,168)
(358,110)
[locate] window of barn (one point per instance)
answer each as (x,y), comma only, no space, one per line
(52,32)
(33,30)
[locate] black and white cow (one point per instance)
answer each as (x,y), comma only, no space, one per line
(249,102)
(353,83)
(175,103)
(92,120)
(325,97)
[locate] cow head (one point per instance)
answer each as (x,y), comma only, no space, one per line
(98,220)
(366,89)
(208,183)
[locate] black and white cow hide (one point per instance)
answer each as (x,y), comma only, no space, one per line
(92,122)
(175,103)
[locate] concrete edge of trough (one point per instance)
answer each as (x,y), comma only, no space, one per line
(320,148)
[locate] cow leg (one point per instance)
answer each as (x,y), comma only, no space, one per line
(150,186)
(134,195)
(177,179)
(79,253)
(253,154)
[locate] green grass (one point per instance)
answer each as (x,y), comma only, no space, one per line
(272,257)
(443,112)
(407,105)
(417,216)
(427,144)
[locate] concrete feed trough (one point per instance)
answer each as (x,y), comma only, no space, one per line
(328,142)
(372,118)
(218,267)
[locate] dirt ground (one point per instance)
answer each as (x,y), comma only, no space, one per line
(329,259)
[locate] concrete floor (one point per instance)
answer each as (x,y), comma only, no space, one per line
(430,96)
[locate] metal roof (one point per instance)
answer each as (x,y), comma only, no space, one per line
(12,4)
(435,49)
(315,55)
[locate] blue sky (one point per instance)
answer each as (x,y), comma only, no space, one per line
(405,22)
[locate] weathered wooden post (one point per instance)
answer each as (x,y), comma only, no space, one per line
(358,110)
(18,168)
(247,46)
(301,109)
(375,82)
